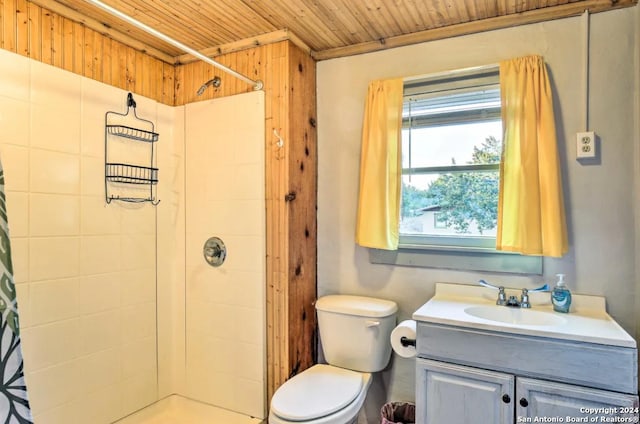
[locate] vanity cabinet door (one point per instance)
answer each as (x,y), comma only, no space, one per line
(454,394)
(545,399)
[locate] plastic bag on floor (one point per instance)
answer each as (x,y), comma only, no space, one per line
(398,413)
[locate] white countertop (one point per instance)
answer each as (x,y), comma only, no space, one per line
(587,320)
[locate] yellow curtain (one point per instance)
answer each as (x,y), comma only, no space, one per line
(531,218)
(378,216)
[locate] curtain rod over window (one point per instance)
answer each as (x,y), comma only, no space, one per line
(494,67)
(257,85)
(464,79)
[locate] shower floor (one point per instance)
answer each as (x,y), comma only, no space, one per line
(176,409)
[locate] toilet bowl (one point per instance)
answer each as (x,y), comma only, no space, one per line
(354,331)
(323,394)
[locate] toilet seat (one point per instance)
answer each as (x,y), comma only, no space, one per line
(319,391)
(320,394)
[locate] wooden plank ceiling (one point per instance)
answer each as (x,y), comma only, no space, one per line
(326,28)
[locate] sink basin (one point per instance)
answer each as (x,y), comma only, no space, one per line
(517,316)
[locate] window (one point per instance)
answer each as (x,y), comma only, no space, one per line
(439,221)
(451,146)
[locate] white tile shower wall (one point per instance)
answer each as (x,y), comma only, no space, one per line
(85,271)
(225,327)
(171,244)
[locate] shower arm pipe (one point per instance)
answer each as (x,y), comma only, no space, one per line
(257,85)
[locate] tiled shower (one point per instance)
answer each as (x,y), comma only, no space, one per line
(225,330)
(102,288)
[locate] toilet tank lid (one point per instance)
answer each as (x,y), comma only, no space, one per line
(357,305)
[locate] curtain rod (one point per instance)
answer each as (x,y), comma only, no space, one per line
(257,85)
(484,68)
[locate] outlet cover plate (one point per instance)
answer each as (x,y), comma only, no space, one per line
(586,145)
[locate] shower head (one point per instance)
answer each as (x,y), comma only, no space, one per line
(215,81)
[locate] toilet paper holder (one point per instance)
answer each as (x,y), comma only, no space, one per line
(406,342)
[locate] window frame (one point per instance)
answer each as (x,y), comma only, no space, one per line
(437,223)
(476,253)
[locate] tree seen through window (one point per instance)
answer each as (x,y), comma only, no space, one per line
(465,202)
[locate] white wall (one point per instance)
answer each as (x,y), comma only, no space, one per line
(636,180)
(226,315)
(599,197)
(85,271)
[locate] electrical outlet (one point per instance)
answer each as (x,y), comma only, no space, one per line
(586,145)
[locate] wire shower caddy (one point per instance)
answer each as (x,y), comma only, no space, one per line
(122,174)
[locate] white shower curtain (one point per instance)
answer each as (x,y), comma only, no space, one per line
(14,403)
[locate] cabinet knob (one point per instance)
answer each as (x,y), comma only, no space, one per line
(506,398)
(524,403)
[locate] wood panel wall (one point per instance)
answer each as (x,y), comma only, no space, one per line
(289,76)
(38,33)
(302,211)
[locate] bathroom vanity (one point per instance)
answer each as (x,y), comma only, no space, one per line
(483,363)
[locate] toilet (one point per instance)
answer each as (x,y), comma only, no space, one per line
(355,332)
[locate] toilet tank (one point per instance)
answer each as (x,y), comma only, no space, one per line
(355,331)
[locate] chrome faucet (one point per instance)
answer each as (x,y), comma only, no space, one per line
(524,299)
(513,301)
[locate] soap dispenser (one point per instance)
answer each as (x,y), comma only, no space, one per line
(561,296)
